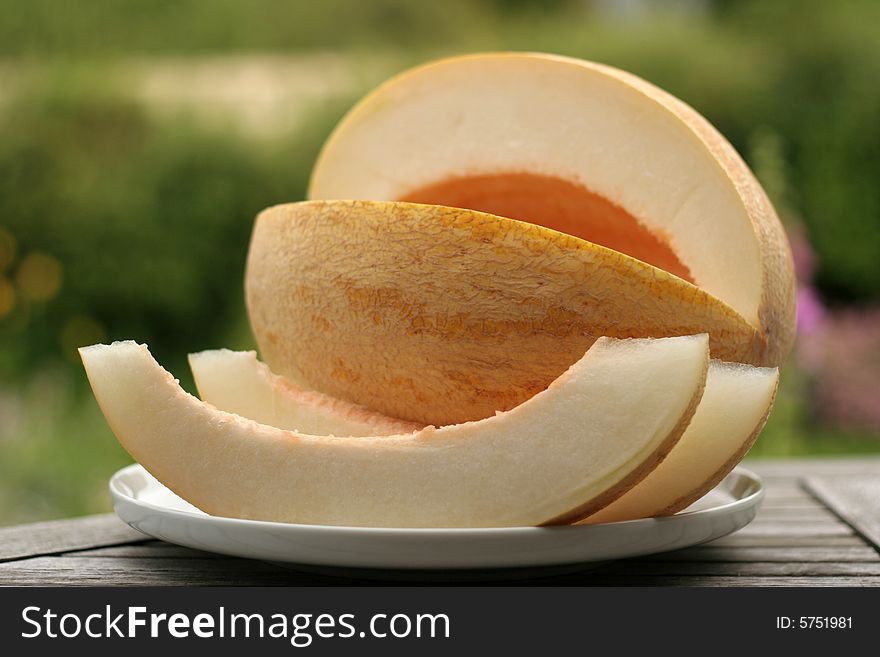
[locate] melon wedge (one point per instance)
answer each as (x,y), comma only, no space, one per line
(733,410)
(448,132)
(570,450)
(439,315)
(573,146)
(236,382)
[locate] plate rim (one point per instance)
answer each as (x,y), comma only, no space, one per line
(120,492)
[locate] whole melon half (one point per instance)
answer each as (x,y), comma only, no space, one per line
(478,222)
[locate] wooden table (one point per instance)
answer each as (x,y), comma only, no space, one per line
(819,525)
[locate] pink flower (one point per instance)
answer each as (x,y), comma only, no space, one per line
(803,255)
(810,311)
(843,357)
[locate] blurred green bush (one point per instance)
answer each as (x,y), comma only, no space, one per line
(115,225)
(145,223)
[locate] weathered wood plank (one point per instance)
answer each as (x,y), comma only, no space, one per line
(56,536)
(830,520)
(99,571)
(158,549)
(861,553)
(755,568)
(721,581)
(827,520)
(817,466)
(785,491)
(796,529)
(791,504)
(788,503)
(806,514)
(150,550)
(739,540)
(59,571)
(856,499)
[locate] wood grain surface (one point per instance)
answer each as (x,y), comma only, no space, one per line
(819,525)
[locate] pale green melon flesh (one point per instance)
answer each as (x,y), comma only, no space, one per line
(236,382)
(562,455)
(735,405)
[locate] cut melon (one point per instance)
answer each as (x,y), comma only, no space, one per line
(734,407)
(457,127)
(571,146)
(439,316)
(236,382)
(565,453)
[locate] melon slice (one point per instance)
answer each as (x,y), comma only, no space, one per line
(570,450)
(236,382)
(580,147)
(576,147)
(439,315)
(734,407)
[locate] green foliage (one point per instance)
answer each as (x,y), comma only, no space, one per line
(100,27)
(56,451)
(825,105)
(149,221)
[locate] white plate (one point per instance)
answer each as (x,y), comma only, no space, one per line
(145,504)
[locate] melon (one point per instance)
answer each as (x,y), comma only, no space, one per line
(441,315)
(734,408)
(235,381)
(496,308)
(560,456)
(513,208)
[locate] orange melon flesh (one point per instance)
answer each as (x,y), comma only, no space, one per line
(734,408)
(439,315)
(567,452)
(236,382)
(558,204)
